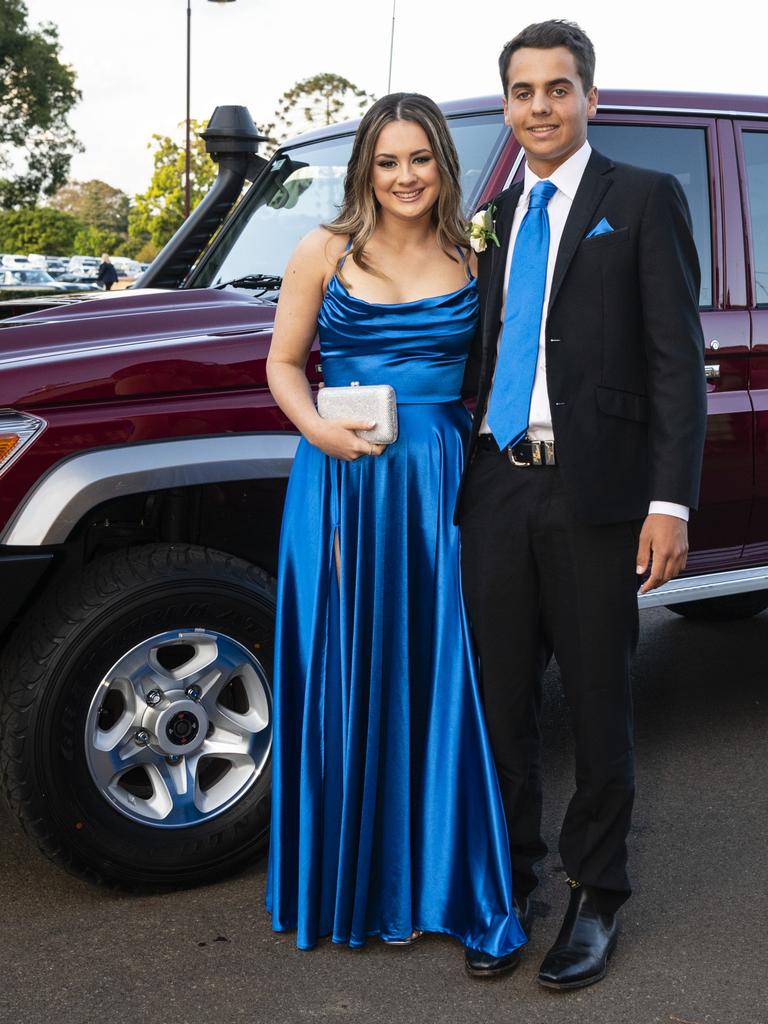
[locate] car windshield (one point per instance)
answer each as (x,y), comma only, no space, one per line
(30,276)
(303,188)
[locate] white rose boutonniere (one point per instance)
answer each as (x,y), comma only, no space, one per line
(482,229)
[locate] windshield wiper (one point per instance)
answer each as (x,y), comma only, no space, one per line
(267,282)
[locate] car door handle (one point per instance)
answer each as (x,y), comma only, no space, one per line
(712,371)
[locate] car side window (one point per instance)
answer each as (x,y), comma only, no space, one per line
(479,139)
(675,150)
(755,146)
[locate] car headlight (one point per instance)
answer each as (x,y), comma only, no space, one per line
(17,429)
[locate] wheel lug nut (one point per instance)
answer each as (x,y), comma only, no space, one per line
(154,697)
(173,759)
(142,737)
(193,692)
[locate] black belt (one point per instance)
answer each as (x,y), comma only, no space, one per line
(524,453)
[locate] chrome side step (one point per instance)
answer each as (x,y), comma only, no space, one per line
(698,588)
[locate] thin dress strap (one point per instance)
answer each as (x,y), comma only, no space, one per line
(347,247)
(470,275)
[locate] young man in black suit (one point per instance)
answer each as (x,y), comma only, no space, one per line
(583,462)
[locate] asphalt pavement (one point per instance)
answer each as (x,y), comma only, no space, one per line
(693,948)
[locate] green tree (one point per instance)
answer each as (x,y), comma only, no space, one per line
(316,101)
(137,248)
(91,241)
(43,230)
(95,203)
(159,212)
(37,92)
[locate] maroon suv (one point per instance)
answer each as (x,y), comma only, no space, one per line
(143,465)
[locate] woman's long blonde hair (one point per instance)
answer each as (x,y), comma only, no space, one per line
(359,209)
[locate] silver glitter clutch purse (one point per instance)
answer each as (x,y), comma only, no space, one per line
(367,402)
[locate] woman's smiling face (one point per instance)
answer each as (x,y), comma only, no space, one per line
(405,176)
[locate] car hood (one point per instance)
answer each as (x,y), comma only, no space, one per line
(44,302)
(104,346)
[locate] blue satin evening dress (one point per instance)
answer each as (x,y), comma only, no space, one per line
(386,811)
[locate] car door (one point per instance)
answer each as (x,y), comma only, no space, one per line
(752,149)
(700,152)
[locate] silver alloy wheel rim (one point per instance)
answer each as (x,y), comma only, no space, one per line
(197,745)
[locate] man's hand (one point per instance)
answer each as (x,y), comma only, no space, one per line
(663,543)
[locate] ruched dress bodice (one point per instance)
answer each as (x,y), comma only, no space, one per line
(419,348)
(386,813)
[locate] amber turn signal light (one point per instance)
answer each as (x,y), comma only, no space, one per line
(17,429)
(7,444)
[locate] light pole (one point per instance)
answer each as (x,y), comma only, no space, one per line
(391,46)
(187,151)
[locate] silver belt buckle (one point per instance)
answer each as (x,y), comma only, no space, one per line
(513,460)
(542,454)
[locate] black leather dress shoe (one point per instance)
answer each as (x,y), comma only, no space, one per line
(581,951)
(483,965)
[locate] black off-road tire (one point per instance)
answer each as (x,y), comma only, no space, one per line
(49,673)
(729,608)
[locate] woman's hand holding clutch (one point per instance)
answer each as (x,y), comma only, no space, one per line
(338,439)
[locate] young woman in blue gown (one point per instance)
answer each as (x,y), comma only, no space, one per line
(386,818)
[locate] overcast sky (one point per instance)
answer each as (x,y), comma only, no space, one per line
(130,56)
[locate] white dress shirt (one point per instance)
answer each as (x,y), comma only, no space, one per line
(567,178)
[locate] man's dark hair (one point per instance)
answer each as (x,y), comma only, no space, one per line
(545,36)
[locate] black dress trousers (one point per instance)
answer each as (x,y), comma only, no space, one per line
(537,581)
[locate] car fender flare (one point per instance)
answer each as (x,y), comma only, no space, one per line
(74,486)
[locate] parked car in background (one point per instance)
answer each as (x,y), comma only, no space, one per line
(16,260)
(143,465)
(86,267)
(126,267)
(56,265)
(27,279)
(37,280)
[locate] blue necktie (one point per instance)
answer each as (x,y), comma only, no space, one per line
(510,403)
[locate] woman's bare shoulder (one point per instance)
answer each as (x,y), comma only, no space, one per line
(321,248)
(313,262)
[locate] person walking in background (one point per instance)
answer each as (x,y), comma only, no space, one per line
(387,817)
(107,275)
(584,459)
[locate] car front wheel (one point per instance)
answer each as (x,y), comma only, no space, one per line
(136,712)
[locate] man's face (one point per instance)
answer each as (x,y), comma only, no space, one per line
(545,106)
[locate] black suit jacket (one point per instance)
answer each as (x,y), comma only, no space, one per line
(624,346)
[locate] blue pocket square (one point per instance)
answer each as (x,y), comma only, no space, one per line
(603,228)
